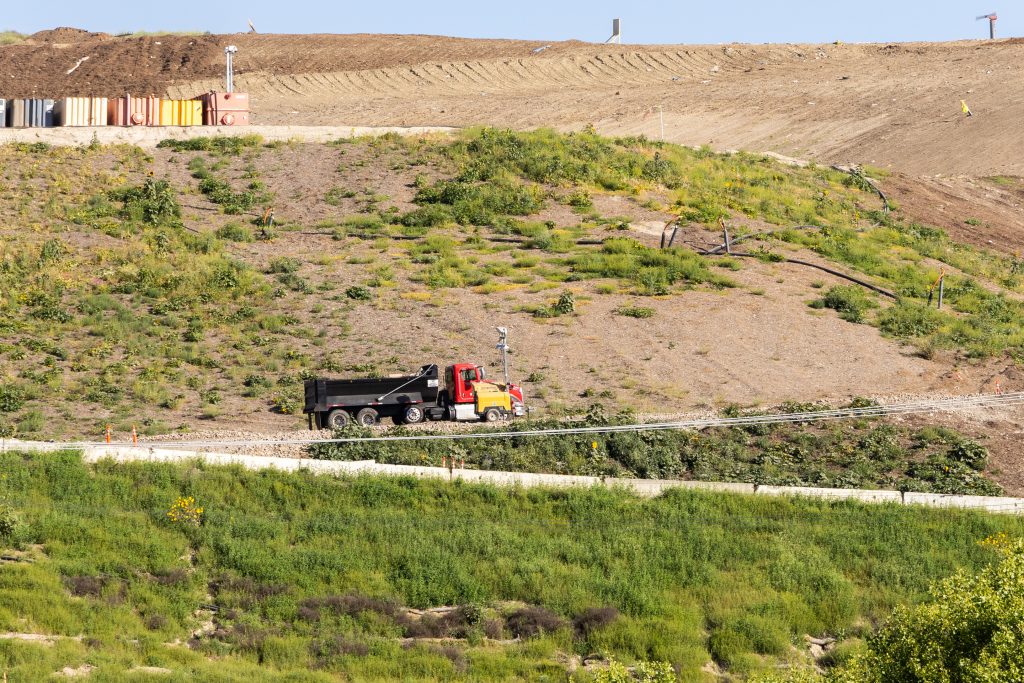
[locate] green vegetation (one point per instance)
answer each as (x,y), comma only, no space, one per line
(179,302)
(11,37)
(308,578)
(978,317)
(124,309)
(968,630)
(219,145)
(850,454)
(640,312)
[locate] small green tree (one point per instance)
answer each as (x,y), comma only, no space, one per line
(643,672)
(971,631)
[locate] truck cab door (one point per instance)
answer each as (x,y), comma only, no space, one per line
(464,392)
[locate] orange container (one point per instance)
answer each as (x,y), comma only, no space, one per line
(134,111)
(226,109)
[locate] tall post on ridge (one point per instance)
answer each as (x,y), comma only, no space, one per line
(229,52)
(616,32)
(504,348)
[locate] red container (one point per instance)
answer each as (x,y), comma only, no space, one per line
(134,111)
(226,109)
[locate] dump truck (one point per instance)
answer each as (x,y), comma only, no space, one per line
(465,395)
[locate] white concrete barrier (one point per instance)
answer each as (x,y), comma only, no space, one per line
(862,495)
(655,487)
(148,137)
(990,503)
(643,487)
(524,479)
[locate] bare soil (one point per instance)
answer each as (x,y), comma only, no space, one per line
(892,105)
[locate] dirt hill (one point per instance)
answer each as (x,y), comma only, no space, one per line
(888,105)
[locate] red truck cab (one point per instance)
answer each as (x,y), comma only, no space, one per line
(459,380)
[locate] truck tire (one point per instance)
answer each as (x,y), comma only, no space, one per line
(413,415)
(367,417)
(336,419)
(492,415)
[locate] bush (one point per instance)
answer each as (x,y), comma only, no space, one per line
(218,144)
(593,619)
(8,521)
(635,312)
(359,293)
(153,202)
(905,320)
(283,265)
(970,630)
(527,622)
(850,301)
(970,453)
(12,398)
(234,232)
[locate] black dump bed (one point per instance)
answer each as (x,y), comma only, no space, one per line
(324,394)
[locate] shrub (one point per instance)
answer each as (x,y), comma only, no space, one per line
(283,265)
(969,631)
(593,619)
(359,293)
(566,304)
(185,512)
(635,312)
(218,144)
(153,202)
(234,232)
(85,586)
(12,398)
(286,404)
(8,521)
(970,453)
(850,301)
(527,622)
(906,320)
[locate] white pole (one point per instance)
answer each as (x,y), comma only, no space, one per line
(661,115)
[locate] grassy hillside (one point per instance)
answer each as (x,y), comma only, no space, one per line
(143,289)
(296,577)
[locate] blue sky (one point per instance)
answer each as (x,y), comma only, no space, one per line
(644,21)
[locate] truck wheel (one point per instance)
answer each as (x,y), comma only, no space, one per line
(413,415)
(336,419)
(367,417)
(492,415)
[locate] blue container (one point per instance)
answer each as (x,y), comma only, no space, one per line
(38,113)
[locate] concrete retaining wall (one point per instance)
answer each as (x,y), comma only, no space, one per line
(642,487)
(148,137)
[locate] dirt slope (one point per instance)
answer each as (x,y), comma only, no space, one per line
(895,105)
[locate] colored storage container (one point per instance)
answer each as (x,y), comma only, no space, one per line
(181,112)
(226,109)
(3,113)
(30,113)
(134,111)
(80,111)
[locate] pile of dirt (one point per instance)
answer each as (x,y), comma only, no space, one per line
(889,105)
(65,34)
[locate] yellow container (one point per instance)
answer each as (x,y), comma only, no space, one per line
(80,111)
(181,112)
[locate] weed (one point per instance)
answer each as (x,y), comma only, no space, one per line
(850,301)
(635,312)
(216,144)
